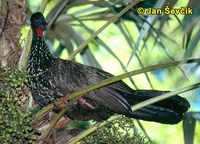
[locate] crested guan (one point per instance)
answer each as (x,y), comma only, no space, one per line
(51,78)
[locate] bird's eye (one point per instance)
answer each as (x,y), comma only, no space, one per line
(38,22)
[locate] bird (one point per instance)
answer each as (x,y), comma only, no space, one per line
(52,78)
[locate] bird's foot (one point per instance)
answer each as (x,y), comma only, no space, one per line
(60,106)
(65,98)
(84,102)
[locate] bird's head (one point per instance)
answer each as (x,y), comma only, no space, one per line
(38,23)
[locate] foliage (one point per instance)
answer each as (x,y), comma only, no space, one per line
(15,122)
(119,131)
(145,40)
(131,42)
(189,123)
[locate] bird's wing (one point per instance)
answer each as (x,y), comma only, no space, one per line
(74,76)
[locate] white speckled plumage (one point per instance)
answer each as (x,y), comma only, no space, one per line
(51,78)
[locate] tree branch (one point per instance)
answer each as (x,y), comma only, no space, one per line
(113,19)
(134,108)
(76,95)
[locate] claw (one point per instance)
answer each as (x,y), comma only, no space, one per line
(61,106)
(65,98)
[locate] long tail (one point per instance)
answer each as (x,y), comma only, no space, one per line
(168,111)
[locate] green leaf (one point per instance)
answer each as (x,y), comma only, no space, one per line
(189,123)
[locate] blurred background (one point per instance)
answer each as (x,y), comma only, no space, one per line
(132,42)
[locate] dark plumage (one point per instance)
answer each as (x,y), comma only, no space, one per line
(51,78)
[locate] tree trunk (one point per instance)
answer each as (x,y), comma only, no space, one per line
(12,18)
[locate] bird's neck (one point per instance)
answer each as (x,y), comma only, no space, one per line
(40,58)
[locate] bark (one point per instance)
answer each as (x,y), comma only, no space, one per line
(12,18)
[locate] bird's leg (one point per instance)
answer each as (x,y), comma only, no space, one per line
(65,98)
(53,101)
(84,102)
(60,106)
